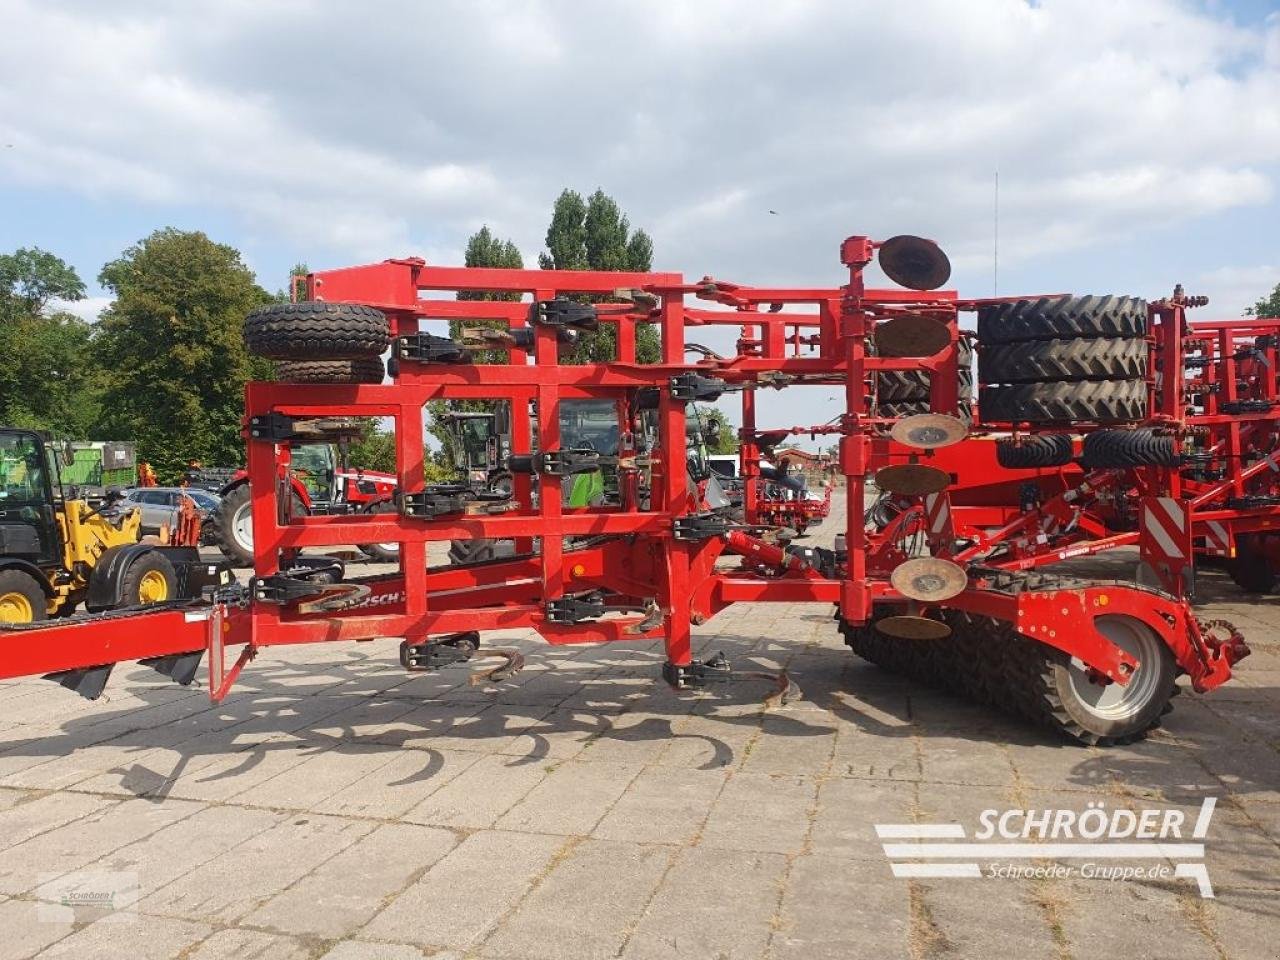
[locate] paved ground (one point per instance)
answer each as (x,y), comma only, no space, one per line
(336,807)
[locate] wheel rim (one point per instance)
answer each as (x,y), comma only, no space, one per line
(242,527)
(1112,701)
(16,608)
(153,587)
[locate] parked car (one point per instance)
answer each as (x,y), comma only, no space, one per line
(160,504)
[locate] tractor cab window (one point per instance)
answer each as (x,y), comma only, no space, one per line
(312,464)
(22,471)
(589,425)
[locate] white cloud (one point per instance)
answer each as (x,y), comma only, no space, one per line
(1231,290)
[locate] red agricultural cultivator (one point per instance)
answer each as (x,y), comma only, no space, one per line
(1114,423)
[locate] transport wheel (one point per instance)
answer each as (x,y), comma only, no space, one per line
(1048,318)
(361,370)
(1050,361)
(382,552)
(1100,401)
(1102,712)
(1254,566)
(1044,450)
(149,579)
(316,331)
(1129,448)
(22,599)
(231,526)
(895,385)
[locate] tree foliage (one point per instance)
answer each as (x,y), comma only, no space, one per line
(594,234)
(727,440)
(49,379)
(1267,307)
(172,347)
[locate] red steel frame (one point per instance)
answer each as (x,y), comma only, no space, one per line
(639,565)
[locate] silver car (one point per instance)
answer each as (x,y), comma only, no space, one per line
(159,505)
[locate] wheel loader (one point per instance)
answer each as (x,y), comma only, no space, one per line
(57,553)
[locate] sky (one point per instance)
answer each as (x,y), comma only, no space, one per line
(1136,142)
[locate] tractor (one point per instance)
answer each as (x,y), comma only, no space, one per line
(58,552)
(320,484)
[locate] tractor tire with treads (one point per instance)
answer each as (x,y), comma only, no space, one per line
(149,579)
(897,385)
(231,525)
(316,331)
(1066,317)
(1052,361)
(909,408)
(1099,401)
(22,598)
(1045,450)
(1253,568)
(361,370)
(1129,448)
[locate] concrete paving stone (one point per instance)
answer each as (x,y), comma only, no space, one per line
(321,775)
(240,771)
(179,848)
(478,728)
(249,945)
(462,898)
(82,841)
(792,741)
(663,805)
(1059,765)
(149,938)
(705,742)
(848,811)
(949,759)
(28,815)
(342,894)
(480,794)
(835,908)
(713,903)
(621,877)
(962,913)
(246,876)
(630,738)
(394,788)
(367,950)
(761,813)
(26,928)
(1242,922)
(572,799)
(1127,919)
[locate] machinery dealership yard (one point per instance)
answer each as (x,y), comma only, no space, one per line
(335,806)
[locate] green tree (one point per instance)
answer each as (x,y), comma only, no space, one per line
(50,377)
(1267,307)
(173,347)
(596,235)
(727,440)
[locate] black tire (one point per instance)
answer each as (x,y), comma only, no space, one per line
(382,552)
(316,331)
(897,385)
(1099,401)
(1049,318)
(1051,361)
(1251,568)
(22,598)
(227,526)
(138,586)
(909,408)
(362,370)
(480,550)
(1129,448)
(1045,450)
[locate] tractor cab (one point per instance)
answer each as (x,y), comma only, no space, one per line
(28,523)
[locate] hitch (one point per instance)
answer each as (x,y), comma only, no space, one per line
(700,526)
(691,387)
(557,463)
(574,609)
(431,348)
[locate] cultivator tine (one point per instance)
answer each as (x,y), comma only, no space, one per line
(513,663)
(179,667)
(89,682)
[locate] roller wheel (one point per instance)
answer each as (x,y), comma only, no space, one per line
(1129,448)
(1049,318)
(362,370)
(897,385)
(1254,566)
(1099,401)
(909,408)
(1045,450)
(316,331)
(1051,361)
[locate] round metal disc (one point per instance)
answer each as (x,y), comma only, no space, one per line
(929,579)
(914,262)
(929,431)
(911,336)
(912,479)
(913,628)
